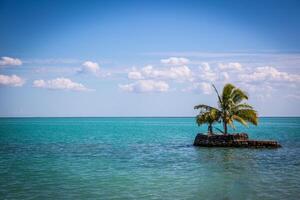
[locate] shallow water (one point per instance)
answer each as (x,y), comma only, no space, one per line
(142,158)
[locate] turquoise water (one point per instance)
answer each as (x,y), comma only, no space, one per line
(142,158)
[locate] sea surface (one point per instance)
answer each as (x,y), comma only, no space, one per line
(142,158)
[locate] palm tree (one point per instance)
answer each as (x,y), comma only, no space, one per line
(232,107)
(208,117)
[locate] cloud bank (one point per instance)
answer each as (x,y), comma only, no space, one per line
(6,61)
(175,61)
(142,86)
(12,80)
(261,80)
(179,73)
(60,84)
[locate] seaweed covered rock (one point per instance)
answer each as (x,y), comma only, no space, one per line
(232,140)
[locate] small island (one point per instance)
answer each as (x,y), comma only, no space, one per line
(231,107)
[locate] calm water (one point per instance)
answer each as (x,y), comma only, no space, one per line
(142,158)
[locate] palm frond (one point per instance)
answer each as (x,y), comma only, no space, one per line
(240,120)
(227,90)
(238,95)
(200,119)
(230,122)
(249,115)
(242,106)
(209,117)
(219,97)
(205,107)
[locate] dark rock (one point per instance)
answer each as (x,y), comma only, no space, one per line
(232,140)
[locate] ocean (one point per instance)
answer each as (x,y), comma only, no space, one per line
(143,158)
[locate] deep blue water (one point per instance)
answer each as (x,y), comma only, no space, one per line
(142,158)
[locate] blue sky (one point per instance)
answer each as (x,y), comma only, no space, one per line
(146,58)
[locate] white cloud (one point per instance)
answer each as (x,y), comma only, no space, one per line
(235,66)
(206,73)
(182,72)
(269,74)
(247,76)
(225,76)
(203,87)
(10,61)
(206,88)
(258,91)
(176,73)
(91,67)
(39,83)
(12,80)
(142,86)
(175,61)
(135,75)
(60,84)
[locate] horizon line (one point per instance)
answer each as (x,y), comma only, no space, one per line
(129,116)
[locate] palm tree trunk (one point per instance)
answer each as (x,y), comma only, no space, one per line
(210,130)
(225,128)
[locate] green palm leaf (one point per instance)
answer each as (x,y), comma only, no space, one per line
(231,108)
(249,115)
(203,106)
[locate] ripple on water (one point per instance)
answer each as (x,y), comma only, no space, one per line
(142,158)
